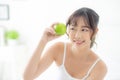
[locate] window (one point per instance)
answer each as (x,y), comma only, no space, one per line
(4,12)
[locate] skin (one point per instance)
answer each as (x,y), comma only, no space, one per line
(78,53)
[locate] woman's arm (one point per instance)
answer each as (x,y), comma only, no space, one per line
(37,63)
(32,66)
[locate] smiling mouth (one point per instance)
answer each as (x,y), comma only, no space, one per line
(78,42)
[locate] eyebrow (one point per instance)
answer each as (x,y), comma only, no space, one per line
(86,27)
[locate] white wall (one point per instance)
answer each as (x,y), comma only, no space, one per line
(30,17)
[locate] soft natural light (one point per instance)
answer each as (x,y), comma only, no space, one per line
(31,17)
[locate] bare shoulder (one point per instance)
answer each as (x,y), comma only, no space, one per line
(55,48)
(99,71)
(101,67)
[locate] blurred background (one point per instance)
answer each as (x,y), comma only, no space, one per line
(23,21)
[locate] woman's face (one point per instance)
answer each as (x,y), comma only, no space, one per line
(80,34)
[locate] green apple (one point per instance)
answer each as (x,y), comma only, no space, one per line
(60,29)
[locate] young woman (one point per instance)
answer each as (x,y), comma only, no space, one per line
(75,59)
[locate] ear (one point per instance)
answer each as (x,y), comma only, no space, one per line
(96,30)
(94,35)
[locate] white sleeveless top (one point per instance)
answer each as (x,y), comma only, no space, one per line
(64,75)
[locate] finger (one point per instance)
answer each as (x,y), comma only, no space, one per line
(57,36)
(52,26)
(52,30)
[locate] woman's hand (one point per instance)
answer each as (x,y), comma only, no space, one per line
(49,33)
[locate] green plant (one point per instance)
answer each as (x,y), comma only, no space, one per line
(12,34)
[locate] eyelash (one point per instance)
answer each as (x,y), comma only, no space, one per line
(84,30)
(72,29)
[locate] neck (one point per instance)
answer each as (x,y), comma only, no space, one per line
(80,53)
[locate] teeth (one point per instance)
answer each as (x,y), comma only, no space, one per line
(79,42)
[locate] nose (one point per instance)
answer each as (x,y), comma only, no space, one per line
(78,35)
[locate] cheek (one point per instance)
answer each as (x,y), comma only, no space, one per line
(91,34)
(69,32)
(71,36)
(88,37)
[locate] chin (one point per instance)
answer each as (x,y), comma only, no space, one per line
(81,46)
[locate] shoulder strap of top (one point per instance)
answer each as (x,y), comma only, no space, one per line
(64,53)
(92,67)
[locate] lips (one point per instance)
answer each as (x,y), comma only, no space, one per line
(78,42)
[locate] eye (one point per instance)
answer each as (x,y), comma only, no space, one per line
(72,29)
(85,30)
